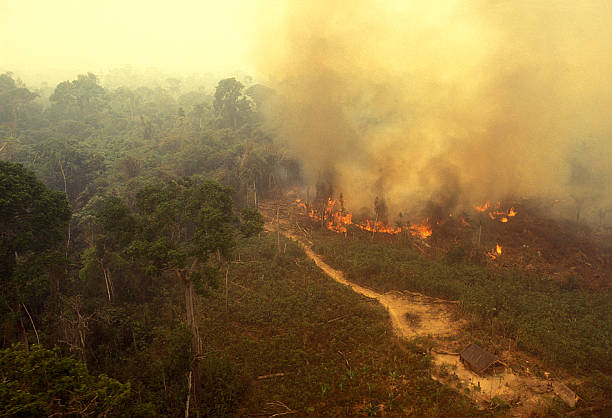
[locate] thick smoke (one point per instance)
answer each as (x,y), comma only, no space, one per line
(453,102)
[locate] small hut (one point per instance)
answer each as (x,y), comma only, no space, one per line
(478,359)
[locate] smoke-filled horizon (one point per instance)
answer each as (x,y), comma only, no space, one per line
(63,38)
(448,102)
(451,102)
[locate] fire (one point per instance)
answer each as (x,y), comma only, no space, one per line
(336,228)
(423,230)
(483,207)
(300,204)
(371,226)
(314,215)
(337,219)
(498,214)
(496,252)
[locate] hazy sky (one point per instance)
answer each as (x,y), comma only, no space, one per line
(85,35)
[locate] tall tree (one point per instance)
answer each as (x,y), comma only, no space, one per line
(113,229)
(63,165)
(82,99)
(231,105)
(33,222)
(14,100)
(185,223)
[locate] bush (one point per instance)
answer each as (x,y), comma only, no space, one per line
(455,255)
(223,387)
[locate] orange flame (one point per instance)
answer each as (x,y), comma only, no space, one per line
(497,214)
(496,252)
(423,230)
(371,226)
(483,207)
(337,220)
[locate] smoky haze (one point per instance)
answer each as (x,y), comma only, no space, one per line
(451,102)
(55,40)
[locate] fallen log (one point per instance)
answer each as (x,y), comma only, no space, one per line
(449,353)
(270,376)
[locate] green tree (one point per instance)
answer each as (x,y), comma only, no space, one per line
(113,230)
(64,165)
(198,112)
(122,103)
(39,382)
(251,169)
(157,106)
(33,221)
(82,99)
(231,105)
(14,101)
(130,167)
(252,222)
(184,223)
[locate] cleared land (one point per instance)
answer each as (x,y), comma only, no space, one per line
(300,343)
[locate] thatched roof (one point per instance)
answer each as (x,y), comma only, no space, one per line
(478,359)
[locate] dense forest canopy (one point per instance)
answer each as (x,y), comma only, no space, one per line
(112,206)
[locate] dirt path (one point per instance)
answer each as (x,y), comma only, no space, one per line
(414,314)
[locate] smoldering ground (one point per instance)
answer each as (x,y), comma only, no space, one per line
(451,101)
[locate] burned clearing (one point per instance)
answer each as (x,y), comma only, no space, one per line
(529,239)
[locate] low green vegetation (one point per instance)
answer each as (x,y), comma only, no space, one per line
(294,340)
(570,328)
